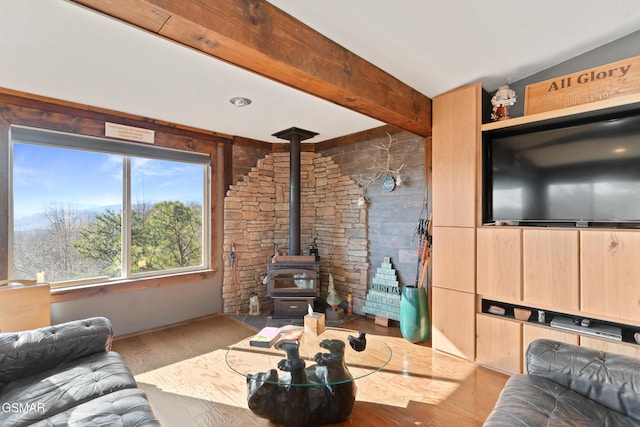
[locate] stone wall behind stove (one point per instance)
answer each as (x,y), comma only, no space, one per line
(256,222)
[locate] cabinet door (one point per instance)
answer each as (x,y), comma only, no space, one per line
(610,270)
(455,153)
(550,268)
(454,258)
(453,322)
(499,343)
(499,263)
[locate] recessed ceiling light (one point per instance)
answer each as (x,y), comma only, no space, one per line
(240,101)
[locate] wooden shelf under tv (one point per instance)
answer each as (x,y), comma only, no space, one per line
(598,107)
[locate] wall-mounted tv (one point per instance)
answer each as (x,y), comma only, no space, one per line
(581,172)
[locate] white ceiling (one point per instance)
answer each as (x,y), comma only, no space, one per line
(58,49)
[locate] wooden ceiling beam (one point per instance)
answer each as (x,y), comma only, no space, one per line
(257,36)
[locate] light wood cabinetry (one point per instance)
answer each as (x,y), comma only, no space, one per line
(453,326)
(455,180)
(498,344)
(576,272)
(610,273)
(455,153)
(454,258)
(550,268)
(604,289)
(24,307)
(499,263)
(502,343)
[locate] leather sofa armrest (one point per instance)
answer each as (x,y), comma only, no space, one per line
(28,352)
(607,378)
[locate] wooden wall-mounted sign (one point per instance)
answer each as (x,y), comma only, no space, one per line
(129,133)
(595,84)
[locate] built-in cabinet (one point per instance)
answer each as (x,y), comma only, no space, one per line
(455,260)
(455,154)
(498,343)
(587,272)
(499,263)
(582,273)
(550,268)
(455,157)
(533,267)
(502,342)
(610,274)
(453,326)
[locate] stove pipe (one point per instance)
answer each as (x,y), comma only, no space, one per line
(294,136)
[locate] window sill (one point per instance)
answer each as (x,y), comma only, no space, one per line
(97,289)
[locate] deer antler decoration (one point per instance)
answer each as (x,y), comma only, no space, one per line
(382,170)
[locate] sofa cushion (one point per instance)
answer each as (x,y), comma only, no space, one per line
(25,353)
(529,400)
(57,390)
(122,408)
(610,379)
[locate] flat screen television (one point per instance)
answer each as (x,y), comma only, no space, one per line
(582,172)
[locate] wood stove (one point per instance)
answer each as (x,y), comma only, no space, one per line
(293,284)
(293,281)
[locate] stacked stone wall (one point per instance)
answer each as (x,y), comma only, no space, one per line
(256,223)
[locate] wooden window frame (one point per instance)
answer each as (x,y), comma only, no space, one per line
(19,108)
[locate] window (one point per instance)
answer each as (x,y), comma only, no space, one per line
(87,209)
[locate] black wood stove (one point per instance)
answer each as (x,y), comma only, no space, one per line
(294,281)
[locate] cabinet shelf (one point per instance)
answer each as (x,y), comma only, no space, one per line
(627,330)
(579,111)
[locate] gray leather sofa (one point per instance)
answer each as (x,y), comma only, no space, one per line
(66,375)
(568,385)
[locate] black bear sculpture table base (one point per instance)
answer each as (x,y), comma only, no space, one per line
(323,393)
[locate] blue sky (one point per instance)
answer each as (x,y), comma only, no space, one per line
(45,176)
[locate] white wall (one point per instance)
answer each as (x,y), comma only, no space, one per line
(146,309)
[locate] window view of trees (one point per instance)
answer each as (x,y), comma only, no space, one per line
(69,220)
(170,237)
(49,246)
(164,236)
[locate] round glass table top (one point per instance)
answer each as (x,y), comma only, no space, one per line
(248,360)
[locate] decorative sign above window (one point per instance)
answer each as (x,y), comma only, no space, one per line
(606,81)
(130,133)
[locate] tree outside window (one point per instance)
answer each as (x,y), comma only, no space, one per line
(85,214)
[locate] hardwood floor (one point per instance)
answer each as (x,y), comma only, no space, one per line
(184,373)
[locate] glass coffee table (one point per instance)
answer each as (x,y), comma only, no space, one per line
(311,382)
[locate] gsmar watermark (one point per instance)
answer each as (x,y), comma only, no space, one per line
(22,407)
